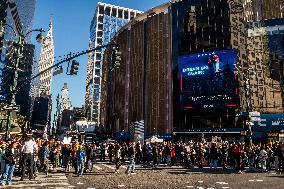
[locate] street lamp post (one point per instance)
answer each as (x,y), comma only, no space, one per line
(17,55)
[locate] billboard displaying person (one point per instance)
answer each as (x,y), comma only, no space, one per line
(207,80)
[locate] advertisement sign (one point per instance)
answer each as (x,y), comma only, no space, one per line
(208,80)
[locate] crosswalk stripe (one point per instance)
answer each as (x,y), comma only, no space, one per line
(55,180)
(98,168)
(108,166)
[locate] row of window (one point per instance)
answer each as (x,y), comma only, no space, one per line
(125,14)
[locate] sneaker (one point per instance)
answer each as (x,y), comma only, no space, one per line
(2,183)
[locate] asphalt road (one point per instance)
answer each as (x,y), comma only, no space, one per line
(164,177)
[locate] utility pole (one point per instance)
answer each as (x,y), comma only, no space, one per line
(18,55)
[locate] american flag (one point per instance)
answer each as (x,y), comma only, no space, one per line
(136,128)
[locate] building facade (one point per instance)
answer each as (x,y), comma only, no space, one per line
(65,101)
(41,114)
(19,15)
(192,67)
(46,60)
(108,19)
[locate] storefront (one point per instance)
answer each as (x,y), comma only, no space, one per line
(272,137)
(209,134)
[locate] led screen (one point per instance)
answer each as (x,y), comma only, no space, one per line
(207,80)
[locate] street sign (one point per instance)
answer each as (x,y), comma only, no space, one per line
(15,108)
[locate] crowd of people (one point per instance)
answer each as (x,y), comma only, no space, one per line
(27,156)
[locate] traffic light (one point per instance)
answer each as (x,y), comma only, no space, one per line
(74,67)
(116,58)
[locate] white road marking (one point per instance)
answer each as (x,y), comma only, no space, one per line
(98,168)
(200,181)
(224,187)
(189,186)
(251,180)
(108,166)
(259,180)
(221,183)
(121,185)
(80,183)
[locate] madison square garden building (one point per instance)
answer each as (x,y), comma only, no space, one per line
(195,68)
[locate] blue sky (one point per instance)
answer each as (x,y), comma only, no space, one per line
(71,21)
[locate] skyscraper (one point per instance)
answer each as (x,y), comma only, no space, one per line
(65,101)
(46,60)
(19,15)
(108,19)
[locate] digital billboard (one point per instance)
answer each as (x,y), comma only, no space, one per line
(208,81)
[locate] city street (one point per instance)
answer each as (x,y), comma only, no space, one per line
(163,177)
(174,177)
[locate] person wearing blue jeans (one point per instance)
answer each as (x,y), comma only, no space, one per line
(131,165)
(9,157)
(80,157)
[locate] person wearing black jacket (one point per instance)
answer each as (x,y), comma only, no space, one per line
(279,158)
(131,154)
(10,161)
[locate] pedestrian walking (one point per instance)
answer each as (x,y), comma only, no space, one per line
(117,156)
(131,165)
(45,154)
(80,158)
(10,160)
(28,149)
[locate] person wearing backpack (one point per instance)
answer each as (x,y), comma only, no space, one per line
(80,158)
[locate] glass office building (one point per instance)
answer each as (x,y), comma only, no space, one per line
(108,19)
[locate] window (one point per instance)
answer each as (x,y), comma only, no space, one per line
(107,11)
(100,26)
(97,72)
(113,12)
(125,14)
(101,10)
(100,19)
(100,34)
(119,13)
(99,41)
(131,15)
(98,64)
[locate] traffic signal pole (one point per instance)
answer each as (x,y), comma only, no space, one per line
(59,63)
